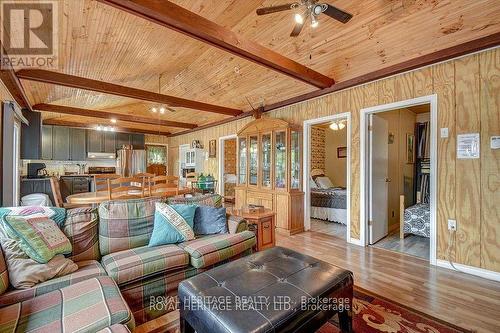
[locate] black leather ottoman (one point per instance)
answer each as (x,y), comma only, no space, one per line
(277,290)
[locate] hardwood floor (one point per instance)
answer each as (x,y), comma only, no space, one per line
(329,228)
(413,245)
(464,300)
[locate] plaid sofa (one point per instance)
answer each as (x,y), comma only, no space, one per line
(110,245)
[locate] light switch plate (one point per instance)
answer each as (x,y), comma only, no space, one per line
(444,132)
(452,225)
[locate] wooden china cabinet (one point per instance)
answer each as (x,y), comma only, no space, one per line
(269,162)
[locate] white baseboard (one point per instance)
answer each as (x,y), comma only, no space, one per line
(355,241)
(484,273)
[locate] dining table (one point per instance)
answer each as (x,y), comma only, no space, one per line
(95,198)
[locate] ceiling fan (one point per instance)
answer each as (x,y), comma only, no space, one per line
(307,9)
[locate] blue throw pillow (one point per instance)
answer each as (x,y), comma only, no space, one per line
(172,224)
(209,221)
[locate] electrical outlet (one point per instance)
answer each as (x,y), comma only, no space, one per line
(452,225)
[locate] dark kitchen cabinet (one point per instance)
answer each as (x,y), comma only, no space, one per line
(72,185)
(46,142)
(137,141)
(94,140)
(31,136)
(77,139)
(122,139)
(108,143)
(40,185)
(60,143)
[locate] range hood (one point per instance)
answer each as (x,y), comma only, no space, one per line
(101,156)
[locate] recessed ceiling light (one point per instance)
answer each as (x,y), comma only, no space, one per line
(154,110)
(162,110)
(113,120)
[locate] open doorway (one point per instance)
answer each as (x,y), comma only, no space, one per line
(327,175)
(398,183)
(227,169)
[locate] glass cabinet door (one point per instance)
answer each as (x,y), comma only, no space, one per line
(254,167)
(295,160)
(280,160)
(242,161)
(266,159)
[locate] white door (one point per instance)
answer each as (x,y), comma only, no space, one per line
(378,193)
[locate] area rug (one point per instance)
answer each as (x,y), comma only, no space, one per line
(372,313)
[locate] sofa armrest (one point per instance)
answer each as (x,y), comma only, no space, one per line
(236,224)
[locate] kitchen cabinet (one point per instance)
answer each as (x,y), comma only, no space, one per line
(78,151)
(31,136)
(108,142)
(60,143)
(46,142)
(74,184)
(122,139)
(39,185)
(137,140)
(94,139)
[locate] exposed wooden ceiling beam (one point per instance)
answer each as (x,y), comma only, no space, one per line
(72,81)
(186,22)
(66,123)
(109,115)
(13,85)
(418,62)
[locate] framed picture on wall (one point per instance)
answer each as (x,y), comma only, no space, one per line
(212,148)
(341,152)
(410,148)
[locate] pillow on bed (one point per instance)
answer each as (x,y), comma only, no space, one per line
(324,182)
(312,183)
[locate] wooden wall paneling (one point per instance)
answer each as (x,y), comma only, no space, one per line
(489,63)
(468,171)
(356,102)
(403,87)
(422,82)
(386,91)
(444,78)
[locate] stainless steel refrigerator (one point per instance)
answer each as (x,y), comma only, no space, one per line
(130,161)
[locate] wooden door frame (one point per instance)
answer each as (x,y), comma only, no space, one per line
(222,139)
(363,125)
(306,139)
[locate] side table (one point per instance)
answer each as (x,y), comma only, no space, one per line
(262,224)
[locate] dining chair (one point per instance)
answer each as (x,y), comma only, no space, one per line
(56,193)
(101,181)
(159,185)
(126,188)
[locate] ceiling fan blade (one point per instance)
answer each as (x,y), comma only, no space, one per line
(297,29)
(336,13)
(275,9)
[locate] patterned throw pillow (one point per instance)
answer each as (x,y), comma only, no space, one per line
(172,224)
(209,221)
(39,236)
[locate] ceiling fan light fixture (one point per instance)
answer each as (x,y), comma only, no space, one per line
(341,125)
(314,22)
(299,18)
(334,126)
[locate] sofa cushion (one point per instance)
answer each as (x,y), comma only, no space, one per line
(209,250)
(125,224)
(116,328)
(87,306)
(86,270)
(139,263)
(82,229)
(39,236)
(211,200)
(4,275)
(172,224)
(210,221)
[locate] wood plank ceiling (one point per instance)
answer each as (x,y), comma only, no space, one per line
(100,42)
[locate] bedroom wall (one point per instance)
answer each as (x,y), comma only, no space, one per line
(399,123)
(468,101)
(317,147)
(230,156)
(335,168)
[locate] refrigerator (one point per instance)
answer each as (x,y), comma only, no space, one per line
(130,161)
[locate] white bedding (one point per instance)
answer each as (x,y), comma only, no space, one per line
(329,214)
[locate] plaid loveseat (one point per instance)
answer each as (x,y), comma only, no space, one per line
(110,245)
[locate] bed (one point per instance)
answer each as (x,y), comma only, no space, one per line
(415,220)
(328,202)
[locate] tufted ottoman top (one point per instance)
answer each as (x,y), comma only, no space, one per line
(267,291)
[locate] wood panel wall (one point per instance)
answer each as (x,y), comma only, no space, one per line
(468,92)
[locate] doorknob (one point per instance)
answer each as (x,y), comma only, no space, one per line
(388,180)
